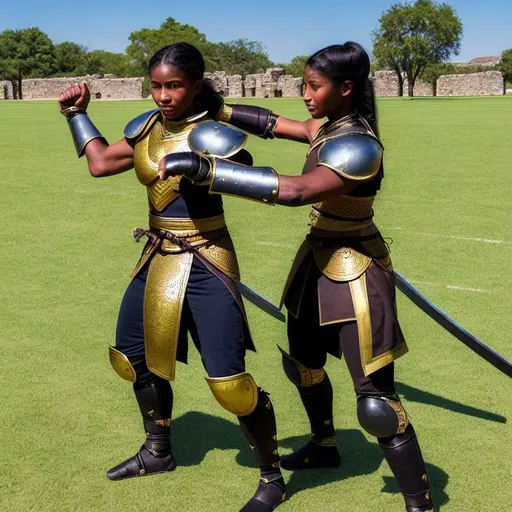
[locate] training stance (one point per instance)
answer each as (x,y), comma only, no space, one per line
(340,293)
(185,279)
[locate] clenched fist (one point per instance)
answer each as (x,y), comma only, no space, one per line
(76,95)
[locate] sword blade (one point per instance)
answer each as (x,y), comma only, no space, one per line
(472,342)
(259,301)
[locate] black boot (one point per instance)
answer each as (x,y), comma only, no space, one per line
(321,451)
(154,396)
(403,455)
(259,428)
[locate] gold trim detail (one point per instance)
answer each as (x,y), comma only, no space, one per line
(163,303)
(238,394)
(186,224)
(328,441)
(308,376)
(347,206)
(164,423)
(352,177)
(403,419)
(302,252)
(121,364)
(369,363)
(163,137)
(225,114)
(341,263)
(222,255)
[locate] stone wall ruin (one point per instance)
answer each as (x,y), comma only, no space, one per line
(487,83)
(274,83)
(101,87)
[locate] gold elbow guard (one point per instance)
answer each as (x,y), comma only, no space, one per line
(121,364)
(238,394)
(299,374)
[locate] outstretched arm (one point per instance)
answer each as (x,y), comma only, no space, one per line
(103,159)
(318,185)
(258,183)
(264,123)
(342,163)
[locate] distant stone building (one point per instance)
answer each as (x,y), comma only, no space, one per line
(484,61)
(6,90)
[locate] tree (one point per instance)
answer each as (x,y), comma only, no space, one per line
(144,43)
(240,57)
(505,66)
(297,66)
(414,35)
(70,59)
(101,61)
(27,52)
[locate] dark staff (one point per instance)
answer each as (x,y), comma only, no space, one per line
(452,327)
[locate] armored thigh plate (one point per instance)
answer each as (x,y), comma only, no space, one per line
(381,416)
(121,364)
(299,374)
(238,394)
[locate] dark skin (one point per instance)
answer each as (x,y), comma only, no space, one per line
(173,92)
(323,99)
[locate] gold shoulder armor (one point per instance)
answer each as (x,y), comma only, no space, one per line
(355,156)
(140,125)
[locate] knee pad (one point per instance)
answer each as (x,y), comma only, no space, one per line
(381,416)
(299,374)
(121,364)
(238,394)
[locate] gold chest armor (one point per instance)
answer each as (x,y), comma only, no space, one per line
(164,138)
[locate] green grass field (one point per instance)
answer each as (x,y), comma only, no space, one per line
(66,258)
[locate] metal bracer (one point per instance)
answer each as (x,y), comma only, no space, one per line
(256,183)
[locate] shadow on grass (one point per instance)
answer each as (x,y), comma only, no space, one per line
(418,395)
(195,434)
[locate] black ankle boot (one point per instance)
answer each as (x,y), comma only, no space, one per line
(403,454)
(260,430)
(268,496)
(154,457)
(312,455)
(154,396)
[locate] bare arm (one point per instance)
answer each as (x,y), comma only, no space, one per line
(318,185)
(108,160)
(299,131)
(103,159)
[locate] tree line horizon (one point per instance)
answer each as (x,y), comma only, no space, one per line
(415,40)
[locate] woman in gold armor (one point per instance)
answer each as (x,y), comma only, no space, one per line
(340,293)
(184,280)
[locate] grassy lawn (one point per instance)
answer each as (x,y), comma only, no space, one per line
(67,255)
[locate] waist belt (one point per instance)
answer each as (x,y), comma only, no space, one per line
(182,227)
(331,227)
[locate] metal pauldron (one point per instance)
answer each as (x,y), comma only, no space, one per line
(216,139)
(257,183)
(356,156)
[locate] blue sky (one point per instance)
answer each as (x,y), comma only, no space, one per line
(286,27)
